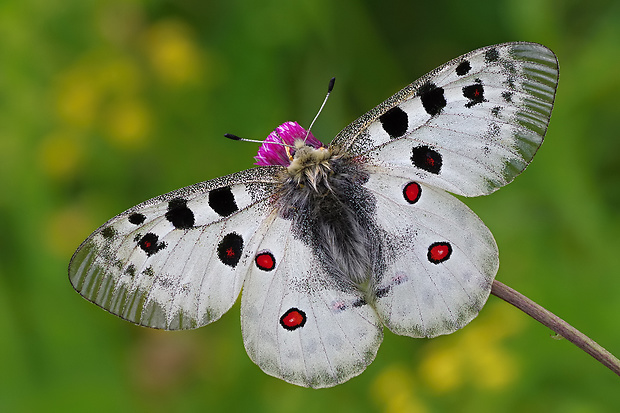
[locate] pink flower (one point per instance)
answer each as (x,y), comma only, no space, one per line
(275,154)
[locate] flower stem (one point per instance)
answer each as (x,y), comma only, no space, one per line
(558,325)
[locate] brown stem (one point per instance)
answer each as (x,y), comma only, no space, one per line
(558,325)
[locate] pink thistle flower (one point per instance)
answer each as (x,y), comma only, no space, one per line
(275,154)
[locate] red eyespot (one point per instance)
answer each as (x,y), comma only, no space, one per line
(265,261)
(439,252)
(412,192)
(293,319)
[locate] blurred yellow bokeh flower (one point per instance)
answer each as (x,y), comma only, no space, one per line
(128,123)
(60,154)
(103,92)
(474,356)
(173,53)
(394,390)
(78,97)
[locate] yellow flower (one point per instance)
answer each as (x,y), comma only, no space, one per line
(474,356)
(128,123)
(78,97)
(442,369)
(173,52)
(394,390)
(59,154)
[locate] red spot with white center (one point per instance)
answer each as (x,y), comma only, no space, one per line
(439,252)
(265,261)
(412,192)
(293,319)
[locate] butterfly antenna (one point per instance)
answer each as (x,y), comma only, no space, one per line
(330,87)
(237,138)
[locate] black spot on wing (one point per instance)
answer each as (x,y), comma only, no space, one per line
(463,68)
(433,98)
(222,201)
(108,232)
(491,55)
(426,158)
(395,122)
(474,93)
(179,214)
(230,248)
(150,243)
(136,218)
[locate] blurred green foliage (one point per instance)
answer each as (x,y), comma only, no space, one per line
(104,104)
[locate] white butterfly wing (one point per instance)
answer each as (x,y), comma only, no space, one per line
(178,260)
(298,323)
(440,258)
(469,126)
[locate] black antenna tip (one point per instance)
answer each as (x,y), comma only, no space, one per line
(331,85)
(231,136)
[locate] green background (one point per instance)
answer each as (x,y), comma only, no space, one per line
(104,104)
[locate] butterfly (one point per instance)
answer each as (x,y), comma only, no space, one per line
(332,243)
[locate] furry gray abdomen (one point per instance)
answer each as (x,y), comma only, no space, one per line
(334,215)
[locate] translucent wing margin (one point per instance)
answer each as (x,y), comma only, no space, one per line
(177,261)
(469,126)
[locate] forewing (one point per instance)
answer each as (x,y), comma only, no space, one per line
(440,258)
(299,324)
(469,126)
(177,261)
